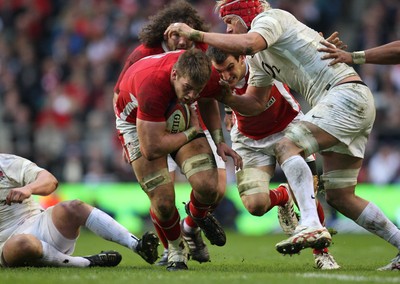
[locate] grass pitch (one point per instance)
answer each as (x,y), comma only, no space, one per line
(244,259)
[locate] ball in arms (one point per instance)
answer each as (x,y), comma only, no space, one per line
(177,117)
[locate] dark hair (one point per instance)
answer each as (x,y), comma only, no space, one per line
(219,56)
(178,11)
(195,65)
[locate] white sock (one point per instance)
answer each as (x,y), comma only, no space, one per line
(373,220)
(106,227)
(52,257)
(186,228)
(301,182)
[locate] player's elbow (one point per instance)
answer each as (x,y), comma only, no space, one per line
(52,182)
(253,43)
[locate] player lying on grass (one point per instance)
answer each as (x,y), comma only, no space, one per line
(31,236)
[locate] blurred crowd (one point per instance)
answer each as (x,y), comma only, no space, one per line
(59,61)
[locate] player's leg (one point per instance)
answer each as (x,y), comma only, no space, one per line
(340,178)
(155,181)
(198,164)
(254,179)
(172,167)
(190,230)
(323,259)
(38,243)
(69,216)
(307,140)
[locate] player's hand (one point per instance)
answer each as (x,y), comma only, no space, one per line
(181,29)
(332,52)
(194,119)
(17,195)
(225,92)
(228,120)
(335,40)
(224,150)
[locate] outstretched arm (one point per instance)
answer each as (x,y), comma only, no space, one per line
(248,44)
(384,54)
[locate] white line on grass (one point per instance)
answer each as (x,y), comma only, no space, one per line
(344,277)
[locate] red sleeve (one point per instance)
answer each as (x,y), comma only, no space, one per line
(138,53)
(153,99)
(213,88)
(201,45)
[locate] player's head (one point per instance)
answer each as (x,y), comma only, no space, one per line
(152,35)
(190,74)
(238,14)
(232,68)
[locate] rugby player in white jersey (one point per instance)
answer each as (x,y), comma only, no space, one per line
(254,137)
(337,126)
(32,236)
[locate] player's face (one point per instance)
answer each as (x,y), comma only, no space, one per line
(231,70)
(234,25)
(175,42)
(186,91)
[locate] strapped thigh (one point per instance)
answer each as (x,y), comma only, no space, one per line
(340,178)
(252,181)
(198,163)
(155,179)
(300,135)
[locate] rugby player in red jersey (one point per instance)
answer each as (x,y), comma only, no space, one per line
(146,90)
(153,42)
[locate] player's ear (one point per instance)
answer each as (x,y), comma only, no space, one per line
(174,74)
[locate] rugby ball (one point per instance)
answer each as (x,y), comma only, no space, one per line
(177,117)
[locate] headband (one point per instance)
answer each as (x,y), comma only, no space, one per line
(246,10)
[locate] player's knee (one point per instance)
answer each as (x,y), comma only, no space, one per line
(165,206)
(255,205)
(253,186)
(21,247)
(339,186)
(298,139)
(73,206)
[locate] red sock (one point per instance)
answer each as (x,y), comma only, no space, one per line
(320,251)
(171,228)
(278,196)
(189,221)
(159,231)
(198,209)
(321,214)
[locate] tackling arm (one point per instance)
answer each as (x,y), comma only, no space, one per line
(384,54)
(253,102)
(248,44)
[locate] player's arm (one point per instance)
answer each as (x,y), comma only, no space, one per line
(209,110)
(156,142)
(248,44)
(253,102)
(44,184)
(384,54)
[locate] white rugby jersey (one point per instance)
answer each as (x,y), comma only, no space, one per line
(292,57)
(15,172)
